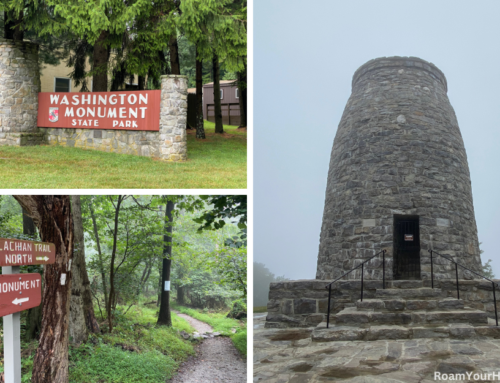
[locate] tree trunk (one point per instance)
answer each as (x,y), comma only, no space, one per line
(180,295)
(111,303)
(34,315)
(99,253)
(200,128)
(175,66)
(164,317)
(52,216)
(217,105)
(242,88)
(82,318)
(141,80)
(11,31)
(100,78)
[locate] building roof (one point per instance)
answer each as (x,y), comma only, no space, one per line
(222,82)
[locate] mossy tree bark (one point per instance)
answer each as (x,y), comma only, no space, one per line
(52,216)
(100,57)
(82,317)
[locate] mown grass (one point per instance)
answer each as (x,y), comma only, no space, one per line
(136,351)
(218,162)
(222,324)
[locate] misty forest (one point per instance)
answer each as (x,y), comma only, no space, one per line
(145,272)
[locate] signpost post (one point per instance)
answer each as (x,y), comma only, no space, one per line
(19,292)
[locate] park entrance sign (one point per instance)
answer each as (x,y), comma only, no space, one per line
(130,110)
(19,292)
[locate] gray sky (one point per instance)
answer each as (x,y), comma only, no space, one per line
(305,54)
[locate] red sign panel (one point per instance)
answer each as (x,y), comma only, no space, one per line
(408,237)
(15,252)
(130,110)
(19,292)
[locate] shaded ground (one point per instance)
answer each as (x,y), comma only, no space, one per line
(217,360)
(289,355)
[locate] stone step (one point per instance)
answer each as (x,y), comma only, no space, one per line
(354,317)
(418,293)
(409,304)
(383,332)
(407,284)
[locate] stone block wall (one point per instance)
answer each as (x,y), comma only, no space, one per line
(169,143)
(304,303)
(398,151)
(19,87)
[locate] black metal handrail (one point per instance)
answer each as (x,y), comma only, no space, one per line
(362,264)
(456,274)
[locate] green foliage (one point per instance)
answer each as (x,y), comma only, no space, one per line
(218,321)
(488,270)
(238,306)
(112,364)
(240,341)
(224,207)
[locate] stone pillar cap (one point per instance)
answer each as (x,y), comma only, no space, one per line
(402,62)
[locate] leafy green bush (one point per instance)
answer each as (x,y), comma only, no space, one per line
(239,306)
(111,364)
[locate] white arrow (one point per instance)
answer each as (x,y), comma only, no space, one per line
(42,258)
(19,301)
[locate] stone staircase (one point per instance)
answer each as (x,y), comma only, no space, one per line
(406,311)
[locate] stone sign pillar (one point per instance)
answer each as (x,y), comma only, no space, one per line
(19,87)
(173,117)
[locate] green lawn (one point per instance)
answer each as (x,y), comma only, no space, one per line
(218,162)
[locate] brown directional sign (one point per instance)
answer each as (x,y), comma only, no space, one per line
(19,292)
(16,252)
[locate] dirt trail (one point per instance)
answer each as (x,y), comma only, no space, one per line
(216,360)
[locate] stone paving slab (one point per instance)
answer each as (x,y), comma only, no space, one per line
(289,355)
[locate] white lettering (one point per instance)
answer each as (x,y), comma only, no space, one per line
(54,98)
(143,98)
(73,122)
(130,99)
(102,99)
(121,124)
(99,112)
(76,101)
(84,100)
(78,112)
(127,124)
(132,112)
(143,112)
(122,112)
(111,111)
(112,99)
(93,100)
(69,112)
(134,125)
(115,123)
(96,122)
(90,112)
(84,123)
(122,96)
(65,100)
(6,245)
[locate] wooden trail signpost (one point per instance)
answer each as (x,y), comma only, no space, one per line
(19,292)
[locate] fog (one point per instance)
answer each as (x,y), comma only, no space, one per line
(305,54)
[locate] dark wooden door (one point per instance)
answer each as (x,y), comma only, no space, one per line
(406,248)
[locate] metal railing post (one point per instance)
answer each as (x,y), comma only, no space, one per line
(362,269)
(432,271)
(328,314)
(456,272)
(495,301)
(383,267)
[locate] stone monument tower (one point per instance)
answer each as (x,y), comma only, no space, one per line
(398,178)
